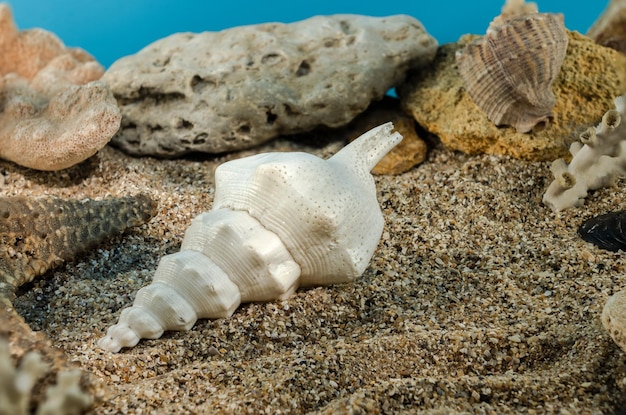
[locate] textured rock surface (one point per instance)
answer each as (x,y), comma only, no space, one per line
(53,112)
(228,90)
(610,28)
(437,100)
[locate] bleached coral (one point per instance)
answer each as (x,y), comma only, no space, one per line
(66,397)
(599,158)
(16,384)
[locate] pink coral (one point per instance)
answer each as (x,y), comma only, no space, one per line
(54,112)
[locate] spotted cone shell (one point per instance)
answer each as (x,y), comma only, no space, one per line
(509,72)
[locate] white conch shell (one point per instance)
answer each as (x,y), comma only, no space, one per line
(278,221)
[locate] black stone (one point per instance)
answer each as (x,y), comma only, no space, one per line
(606,231)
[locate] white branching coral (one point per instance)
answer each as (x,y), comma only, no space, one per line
(16,384)
(599,158)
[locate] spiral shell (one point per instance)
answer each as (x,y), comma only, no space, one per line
(509,73)
(278,221)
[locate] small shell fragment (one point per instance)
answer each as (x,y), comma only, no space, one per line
(614,318)
(509,73)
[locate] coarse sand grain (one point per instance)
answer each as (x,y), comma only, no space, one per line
(479,299)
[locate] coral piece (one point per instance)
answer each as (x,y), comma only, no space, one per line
(606,231)
(509,73)
(22,341)
(436,98)
(53,111)
(66,397)
(614,318)
(278,221)
(39,234)
(598,159)
(16,384)
(610,28)
(222,91)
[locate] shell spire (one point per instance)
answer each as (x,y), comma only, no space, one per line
(278,221)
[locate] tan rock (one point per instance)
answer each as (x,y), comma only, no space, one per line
(610,28)
(591,77)
(53,111)
(412,149)
(409,153)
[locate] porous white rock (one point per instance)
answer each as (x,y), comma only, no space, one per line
(221,91)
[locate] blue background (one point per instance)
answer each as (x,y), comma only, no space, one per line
(110,29)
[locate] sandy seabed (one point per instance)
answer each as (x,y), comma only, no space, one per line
(479,299)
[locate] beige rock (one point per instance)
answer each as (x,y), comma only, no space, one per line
(222,91)
(53,111)
(610,28)
(591,77)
